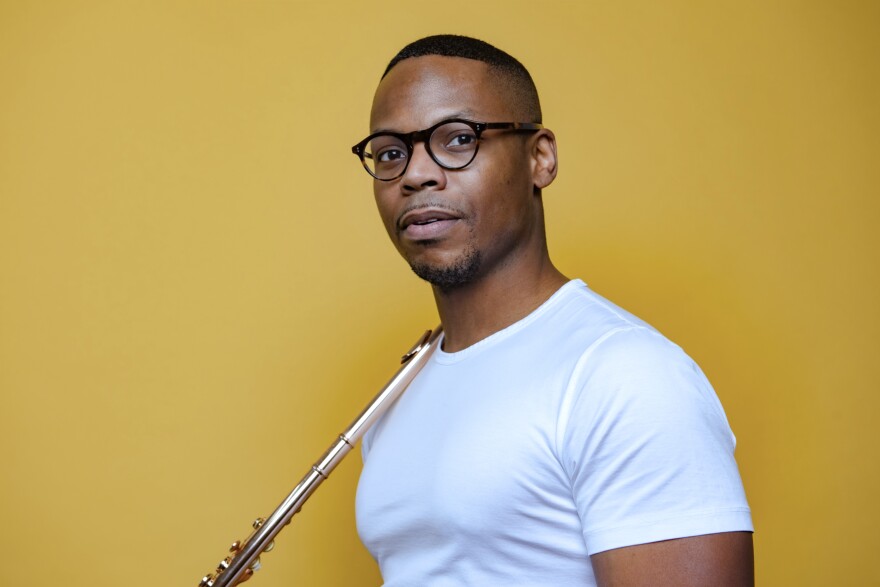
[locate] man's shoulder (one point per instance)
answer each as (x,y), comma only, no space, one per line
(616,350)
(579,316)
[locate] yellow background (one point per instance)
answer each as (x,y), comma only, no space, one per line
(196,293)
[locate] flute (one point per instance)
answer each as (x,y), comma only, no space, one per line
(244,557)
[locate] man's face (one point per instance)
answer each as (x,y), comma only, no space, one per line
(455,226)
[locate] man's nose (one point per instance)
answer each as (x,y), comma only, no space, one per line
(422,171)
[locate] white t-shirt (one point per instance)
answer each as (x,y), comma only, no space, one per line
(576,430)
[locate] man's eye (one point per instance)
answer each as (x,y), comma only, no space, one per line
(462,139)
(390,155)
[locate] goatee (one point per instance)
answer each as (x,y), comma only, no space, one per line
(453,276)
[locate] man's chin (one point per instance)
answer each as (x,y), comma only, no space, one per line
(451,276)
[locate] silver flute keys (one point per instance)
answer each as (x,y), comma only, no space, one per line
(244,557)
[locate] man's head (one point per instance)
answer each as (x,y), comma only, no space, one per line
(457,225)
(507,71)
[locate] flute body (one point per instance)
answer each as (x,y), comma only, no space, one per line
(244,559)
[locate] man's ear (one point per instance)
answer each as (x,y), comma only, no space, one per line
(544,160)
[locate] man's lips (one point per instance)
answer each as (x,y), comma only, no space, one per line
(426,223)
(425,216)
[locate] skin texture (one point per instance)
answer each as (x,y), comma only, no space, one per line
(716,560)
(493,210)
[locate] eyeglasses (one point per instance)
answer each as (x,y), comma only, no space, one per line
(452,144)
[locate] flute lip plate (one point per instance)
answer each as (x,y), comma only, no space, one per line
(416,347)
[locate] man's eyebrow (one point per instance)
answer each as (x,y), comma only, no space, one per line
(466,114)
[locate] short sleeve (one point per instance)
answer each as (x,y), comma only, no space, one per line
(647,446)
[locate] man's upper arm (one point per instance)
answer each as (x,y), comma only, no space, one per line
(717,560)
(649,452)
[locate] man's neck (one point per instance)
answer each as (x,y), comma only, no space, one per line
(472,312)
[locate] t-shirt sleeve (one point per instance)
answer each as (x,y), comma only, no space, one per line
(647,445)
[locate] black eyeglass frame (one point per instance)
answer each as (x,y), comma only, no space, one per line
(411,138)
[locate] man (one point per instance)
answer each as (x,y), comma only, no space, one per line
(553,439)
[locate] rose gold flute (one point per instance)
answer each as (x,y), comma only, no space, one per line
(244,557)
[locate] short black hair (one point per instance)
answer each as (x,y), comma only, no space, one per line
(513,73)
